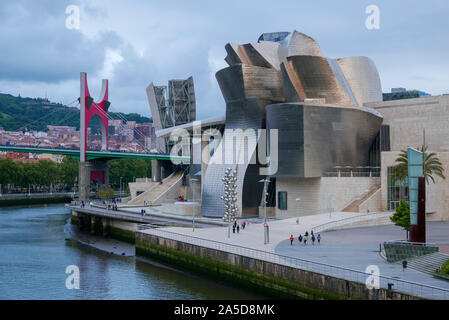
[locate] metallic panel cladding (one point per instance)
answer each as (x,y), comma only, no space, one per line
(314,76)
(303,45)
(314,139)
(363,77)
(240,114)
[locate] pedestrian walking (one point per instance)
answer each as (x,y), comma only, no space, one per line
(313,239)
(244,225)
(233,228)
(238,228)
(300,238)
(291,240)
(318,238)
(305,240)
(306,234)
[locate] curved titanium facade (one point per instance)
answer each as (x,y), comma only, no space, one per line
(314,139)
(262,54)
(303,45)
(311,77)
(362,76)
(240,114)
(247,90)
(243,81)
(266,84)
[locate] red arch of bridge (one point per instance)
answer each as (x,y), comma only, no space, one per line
(100,109)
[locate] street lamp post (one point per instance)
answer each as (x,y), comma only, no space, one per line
(120,189)
(265,194)
(265,182)
(297,219)
(367,203)
(193,202)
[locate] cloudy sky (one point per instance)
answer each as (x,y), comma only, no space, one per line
(133,43)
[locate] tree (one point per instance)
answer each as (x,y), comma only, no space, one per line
(49,174)
(401,217)
(128,169)
(7,172)
(104,192)
(68,171)
(431,166)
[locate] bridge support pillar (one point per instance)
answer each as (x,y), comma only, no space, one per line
(156,170)
(92,171)
(105,222)
(92,224)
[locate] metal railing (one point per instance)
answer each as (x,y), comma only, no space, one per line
(359,218)
(348,171)
(343,174)
(404,286)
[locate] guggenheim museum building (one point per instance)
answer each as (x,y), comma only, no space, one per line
(304,133)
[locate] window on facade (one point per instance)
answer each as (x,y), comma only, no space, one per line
(282,200)
(397,190)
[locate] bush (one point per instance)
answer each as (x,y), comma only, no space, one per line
(105,192)
(444,269)
(401,217)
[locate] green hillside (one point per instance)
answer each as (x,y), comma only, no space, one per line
(37,113)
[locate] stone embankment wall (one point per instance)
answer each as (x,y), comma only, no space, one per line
(273,279)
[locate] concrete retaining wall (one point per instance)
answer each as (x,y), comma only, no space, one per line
(317,194)
(116,229)
(272,278)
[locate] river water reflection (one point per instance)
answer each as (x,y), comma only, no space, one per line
(36,246)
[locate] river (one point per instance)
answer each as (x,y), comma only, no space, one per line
(37,243)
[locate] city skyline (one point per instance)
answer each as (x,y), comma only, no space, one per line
(134,54)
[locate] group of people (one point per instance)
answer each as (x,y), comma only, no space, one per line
(306,237)
(236,226)
(82,204)
(113,206)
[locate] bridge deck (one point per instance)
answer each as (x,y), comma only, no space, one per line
(91,155)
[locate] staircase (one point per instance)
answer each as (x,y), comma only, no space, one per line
(354,205)
(155,195)
(428,263)
(142,197)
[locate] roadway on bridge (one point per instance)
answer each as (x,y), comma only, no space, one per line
(91,155)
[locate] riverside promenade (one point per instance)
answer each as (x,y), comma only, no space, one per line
(343,254)
(133,215)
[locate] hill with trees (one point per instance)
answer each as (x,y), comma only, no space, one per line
(18,113)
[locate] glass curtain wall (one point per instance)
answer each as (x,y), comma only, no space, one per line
(397,190)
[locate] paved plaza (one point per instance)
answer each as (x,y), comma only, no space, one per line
(355,248)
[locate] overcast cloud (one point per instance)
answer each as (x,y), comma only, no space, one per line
(134,43)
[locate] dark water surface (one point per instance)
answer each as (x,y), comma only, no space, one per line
(37,245)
